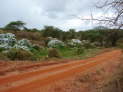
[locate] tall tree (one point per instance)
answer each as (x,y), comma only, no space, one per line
(50,31)
(116,20)
(116,7)
(15,25)
(72,33)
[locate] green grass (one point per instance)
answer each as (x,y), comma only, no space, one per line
(40,54)
(67,53)
(71,53)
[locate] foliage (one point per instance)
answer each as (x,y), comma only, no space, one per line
(55,43)
(15,25)
(103,36)
(53,52)
(100,28)
(71,34)
(36,47)
(23,44)
(19,54)
(86,44)
(29,35)
(50,31)
(7,40)
(80,50)
(116,7)
(3,56)
(77,53)
(65,44)
(74,43)
(2,49)
(120,43)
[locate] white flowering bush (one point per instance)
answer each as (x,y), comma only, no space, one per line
(23,44)
(7,35)
(21,47)
(5,46)
(74,43)
(55,43)
(7,40)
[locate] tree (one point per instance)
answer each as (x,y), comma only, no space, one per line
(95,36)
(50,31)
(116,6)
(15,25)
(72,33)
(116,20)
(100,28)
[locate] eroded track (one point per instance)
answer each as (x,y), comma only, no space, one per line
(28,82)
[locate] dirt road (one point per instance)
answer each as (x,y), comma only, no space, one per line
(28,82)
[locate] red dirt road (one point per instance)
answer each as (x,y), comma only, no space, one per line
(28,82)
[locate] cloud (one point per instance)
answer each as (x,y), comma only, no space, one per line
(37,13)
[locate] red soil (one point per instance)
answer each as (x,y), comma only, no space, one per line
(29,81)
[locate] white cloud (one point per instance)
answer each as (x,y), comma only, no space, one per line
(37,13)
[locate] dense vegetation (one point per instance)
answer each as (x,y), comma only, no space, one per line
(97,37)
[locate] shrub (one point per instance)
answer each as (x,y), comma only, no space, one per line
(19,54)
(7,40)
(120,43)
(53,52)
(3,56)
(37,47)
(88,45)
(55,43)
(74,43)
(29,35)
(80,51)
(2,49)
(23,44)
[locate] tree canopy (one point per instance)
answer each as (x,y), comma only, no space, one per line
(15,25)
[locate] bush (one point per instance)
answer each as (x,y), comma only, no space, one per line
(29,35)
(2,49)
(120,44)
(19,54)
(80,51)
(37,47)
(88,45)
(3,56)
(55,43)
(53,52)
(74,43)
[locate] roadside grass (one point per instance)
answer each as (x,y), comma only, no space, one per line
(64,52)
(40,54)
(71,53)
(68,53)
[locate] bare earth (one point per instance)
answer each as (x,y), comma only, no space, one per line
(75,76)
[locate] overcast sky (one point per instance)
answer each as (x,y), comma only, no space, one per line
(59,13)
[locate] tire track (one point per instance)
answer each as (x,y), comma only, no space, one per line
(59,72)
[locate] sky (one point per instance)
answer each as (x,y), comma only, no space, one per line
(64,14)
